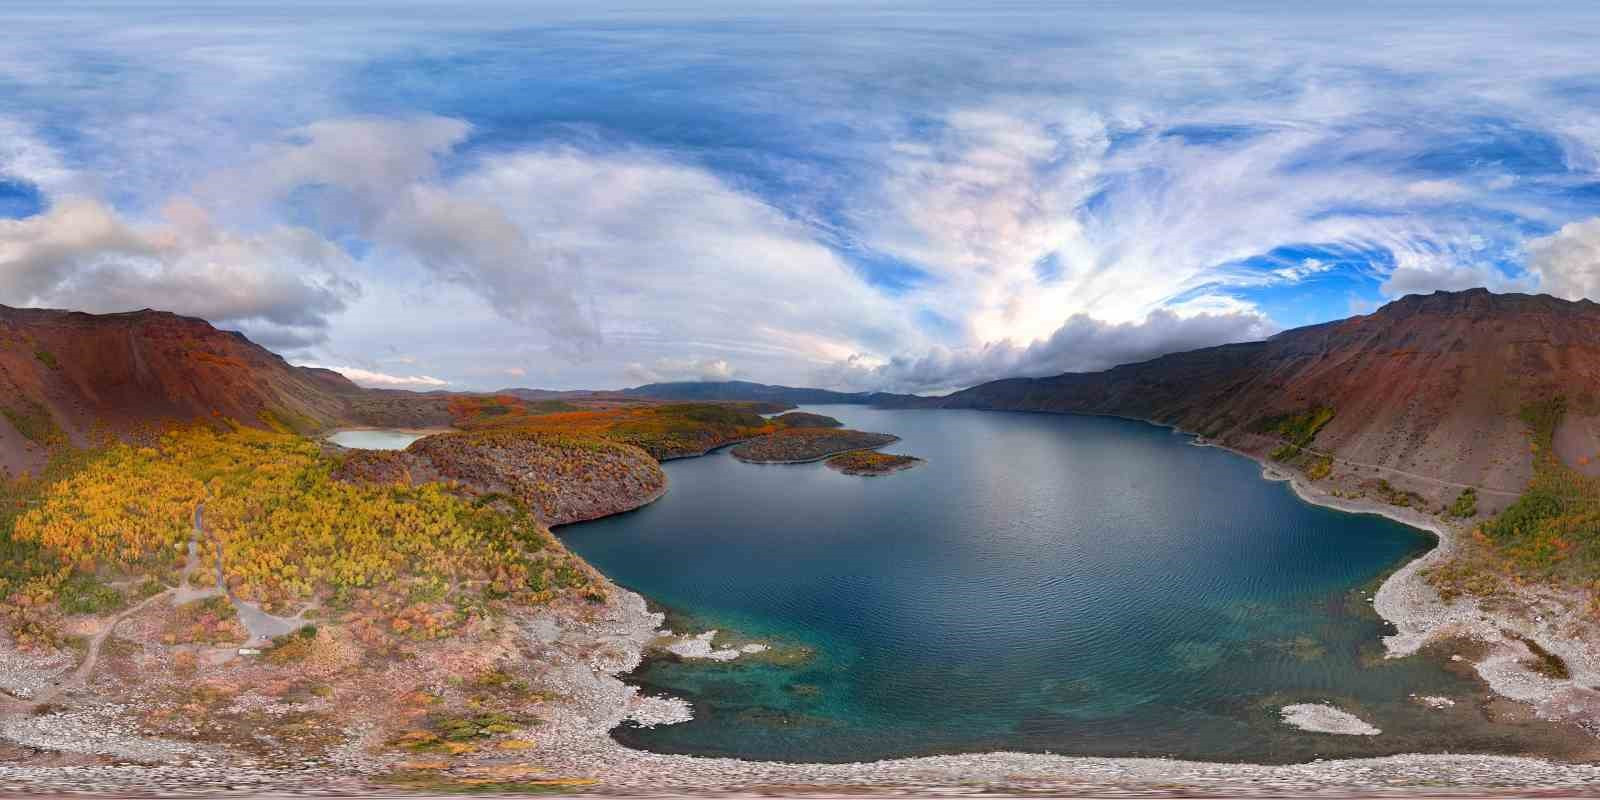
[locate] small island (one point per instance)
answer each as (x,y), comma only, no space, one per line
(800,445)
(871,462)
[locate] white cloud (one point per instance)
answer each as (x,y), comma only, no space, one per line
(669,370)
(383,380)
(1150,172)
(669,256)
(1132,226)
(81,255)
(1081,344)
(24,156)
(361,168)
(378,179)
(1305,269)
(1567,262)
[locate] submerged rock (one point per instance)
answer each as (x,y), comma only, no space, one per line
(1323,718)
(700,646)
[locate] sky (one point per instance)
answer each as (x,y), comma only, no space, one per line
(903,196)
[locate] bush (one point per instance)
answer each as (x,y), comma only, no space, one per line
(1299,428)
(1466,504)
(83,594)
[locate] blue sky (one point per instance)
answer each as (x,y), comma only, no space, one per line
(902,196)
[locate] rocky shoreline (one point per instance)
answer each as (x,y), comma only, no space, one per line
(583,658)
(1405,599)
(578,742)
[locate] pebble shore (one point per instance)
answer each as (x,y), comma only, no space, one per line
(582,658)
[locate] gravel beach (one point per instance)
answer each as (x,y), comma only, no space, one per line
(580,660)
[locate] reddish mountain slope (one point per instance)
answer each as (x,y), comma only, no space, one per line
(70,372)
(1428,384)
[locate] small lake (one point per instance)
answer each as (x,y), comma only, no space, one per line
(1076,585)
(375,439)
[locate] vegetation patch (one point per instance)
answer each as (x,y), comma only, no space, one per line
(1465,576)
(805,419)
(285,530)
(47,358)
(34,422)
(1388,493)
(1466,504)
(455,733)
(292,648)
(210,621)
(29,573)
(871,462)
(673,430)
(85,594)
(1553,529)
(1319,467)
(808,444)
(1297,430)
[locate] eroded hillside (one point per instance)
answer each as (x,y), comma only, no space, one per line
(1424,393)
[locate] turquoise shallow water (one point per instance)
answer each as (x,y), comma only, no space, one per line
(375,439)
(1067,584)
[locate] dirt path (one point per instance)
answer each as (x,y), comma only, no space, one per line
(80,676)
(1417,475)
(263,627)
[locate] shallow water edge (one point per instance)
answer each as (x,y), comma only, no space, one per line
(1402,599)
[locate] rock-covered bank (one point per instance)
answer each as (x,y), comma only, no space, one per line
(581,653)
(583,656)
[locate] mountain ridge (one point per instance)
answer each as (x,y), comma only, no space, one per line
(748,391)
(1427,384)
(69,374)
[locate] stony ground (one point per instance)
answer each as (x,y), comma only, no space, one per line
(173,708)
(575,655)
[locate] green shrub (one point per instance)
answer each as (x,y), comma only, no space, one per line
(1466,504)
(83,594)
(34,422)
(1298,428)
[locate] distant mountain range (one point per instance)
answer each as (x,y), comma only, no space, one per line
(1428,384)
(745,391)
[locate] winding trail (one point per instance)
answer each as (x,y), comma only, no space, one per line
(1419,476)
(80,676)
(263,627)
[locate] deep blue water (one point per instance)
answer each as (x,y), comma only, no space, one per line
(1043,583)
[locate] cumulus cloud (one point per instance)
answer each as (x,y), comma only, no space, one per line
(384,380)
(80,254)
(1567,262)
(1098,190)
(1081,344)
(677,258)
(378,179)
